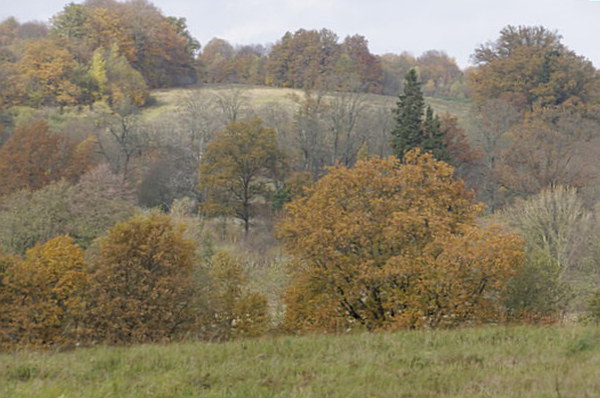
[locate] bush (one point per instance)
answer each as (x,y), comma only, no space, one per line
(141,286)
(233,311)
(388,244)
(42,295)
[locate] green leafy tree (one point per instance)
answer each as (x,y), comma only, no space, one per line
(236,168)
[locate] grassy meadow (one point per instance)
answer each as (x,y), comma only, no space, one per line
(524,361)
(256,96)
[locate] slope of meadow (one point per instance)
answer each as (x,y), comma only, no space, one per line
(472,362)
(166,100)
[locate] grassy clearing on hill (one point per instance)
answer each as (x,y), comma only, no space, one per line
(473,362)
(257,96)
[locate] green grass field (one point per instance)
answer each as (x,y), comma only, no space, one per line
(474,362)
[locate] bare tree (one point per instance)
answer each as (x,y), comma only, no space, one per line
(345,112)
(231,103)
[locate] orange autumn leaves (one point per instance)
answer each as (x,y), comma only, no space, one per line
(391,244)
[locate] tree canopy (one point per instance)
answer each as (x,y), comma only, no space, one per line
(394,244)
(530,66)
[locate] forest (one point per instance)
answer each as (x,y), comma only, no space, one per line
(153,189)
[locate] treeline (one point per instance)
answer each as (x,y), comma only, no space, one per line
(98,50)
(143,282)
(117,51)
(312,59)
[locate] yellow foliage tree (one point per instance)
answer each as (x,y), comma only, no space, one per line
(236,168)
(141,286)
(42,294)
(393,244)
(233,311)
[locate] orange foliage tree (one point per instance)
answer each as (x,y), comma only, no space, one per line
(33,157)
(141,286)
(42,294)
(393,244)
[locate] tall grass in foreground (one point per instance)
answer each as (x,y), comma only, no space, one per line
(476,362)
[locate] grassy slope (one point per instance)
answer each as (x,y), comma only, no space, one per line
(478,362)
(166,100)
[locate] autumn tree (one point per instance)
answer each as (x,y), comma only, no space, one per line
(215,61)
(303,59)
(236,168)
(44,295)
(549,147)
(34,156)
(439,73)
(29,218)
(394,244)
(412,130)
(233,311)
(494,119)
(530,66)
(117,82)
(141,286)
(395,67)
(122,141)
(98,201)
(49,74)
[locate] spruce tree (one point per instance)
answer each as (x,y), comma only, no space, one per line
(408,131)
(433,136)
(411,130)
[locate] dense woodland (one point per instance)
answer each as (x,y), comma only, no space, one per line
(332,211)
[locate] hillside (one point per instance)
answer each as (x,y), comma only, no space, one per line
(479,362)
(166,100)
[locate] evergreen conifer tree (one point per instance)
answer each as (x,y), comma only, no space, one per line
(411,130)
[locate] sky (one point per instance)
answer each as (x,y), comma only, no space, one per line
(454,26)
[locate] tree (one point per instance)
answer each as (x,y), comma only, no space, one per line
(98,201)
(555,226)
(49,74)
(236,168)
(29,218)
(394,244)
(233,311)
(411,131)
(44,292)
(549,147)
(34,157)
(438,72)
(530,66)
(84,211)
(303,59)
(141,286)
(495,118)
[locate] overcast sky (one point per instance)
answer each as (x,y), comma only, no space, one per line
(455,26)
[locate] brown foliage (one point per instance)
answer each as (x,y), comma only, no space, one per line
(141,287)
(390,244)
(530,66)
(42,295)
(233,311)
(34,157)
(236,167)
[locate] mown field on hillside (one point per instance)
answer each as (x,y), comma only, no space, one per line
(473,362)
